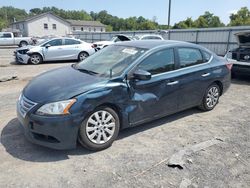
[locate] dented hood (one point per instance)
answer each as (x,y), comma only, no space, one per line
(243,38)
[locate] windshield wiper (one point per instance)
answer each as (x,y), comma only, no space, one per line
(83,70)
(87,71)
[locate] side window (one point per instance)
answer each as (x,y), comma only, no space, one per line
(159,62)
(206,56)
(71,42)
(189,57)
(54,26)
(45,26)
(6,35)
(56,42)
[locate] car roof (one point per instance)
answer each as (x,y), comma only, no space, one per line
(149,44)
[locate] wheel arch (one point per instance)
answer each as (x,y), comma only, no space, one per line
(23,41)
(83,51)
(117,109)
(219,83)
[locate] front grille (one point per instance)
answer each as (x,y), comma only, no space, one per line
(25,105)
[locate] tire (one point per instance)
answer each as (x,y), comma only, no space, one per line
(82,56)
(211,98)
(93,138)
(36,59)
(23,43)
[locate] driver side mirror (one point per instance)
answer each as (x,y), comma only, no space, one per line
(142,75)
(47,45)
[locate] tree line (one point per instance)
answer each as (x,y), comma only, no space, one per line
(10,14)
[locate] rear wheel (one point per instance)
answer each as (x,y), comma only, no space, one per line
(99,130)
(36,59)
(23,43)
(82,56)
(211,98)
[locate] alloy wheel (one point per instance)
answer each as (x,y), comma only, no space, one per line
(83,56)
(35,59)
(212,97)
(100,127)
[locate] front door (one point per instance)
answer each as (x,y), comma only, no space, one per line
(53,50)
(158,96)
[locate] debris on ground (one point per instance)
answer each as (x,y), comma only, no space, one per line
(5,79)
(177,161)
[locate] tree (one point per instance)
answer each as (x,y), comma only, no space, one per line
(242,17)
(10,14)
(208,20)
(188,23)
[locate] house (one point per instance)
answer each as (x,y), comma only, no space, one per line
(87,26)
(50,24)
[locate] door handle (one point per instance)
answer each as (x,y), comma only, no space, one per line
(206,74)
(172,83)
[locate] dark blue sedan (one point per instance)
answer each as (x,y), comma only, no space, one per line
(121,86)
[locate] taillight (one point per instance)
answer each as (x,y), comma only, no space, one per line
(229,66)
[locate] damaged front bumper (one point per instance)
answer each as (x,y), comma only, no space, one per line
(21,58)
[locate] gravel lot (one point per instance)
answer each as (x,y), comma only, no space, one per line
(213,146)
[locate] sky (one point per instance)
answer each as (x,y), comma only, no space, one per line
(180,10)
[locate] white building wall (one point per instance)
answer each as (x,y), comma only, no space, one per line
(36,27)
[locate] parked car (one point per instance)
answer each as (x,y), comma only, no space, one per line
(148,37)
(8,39)
(55,49)
(241,56)
(117,38)
(123,85)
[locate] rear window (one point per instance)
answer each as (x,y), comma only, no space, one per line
(244,39)
(189,57)
(207,56)
(71,42)
(151,38)
(5,35)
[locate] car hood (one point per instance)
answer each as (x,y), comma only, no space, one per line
(243,38)
(28,47)
(61,84)
(104,43)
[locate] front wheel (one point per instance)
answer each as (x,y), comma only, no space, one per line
(211,98)
(99,130)
(36,59)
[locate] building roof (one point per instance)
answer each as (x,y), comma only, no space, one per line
(85,23)
(71,22)
(38,16)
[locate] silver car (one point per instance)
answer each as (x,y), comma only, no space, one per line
(55,49)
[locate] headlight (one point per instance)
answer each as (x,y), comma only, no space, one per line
(56,108)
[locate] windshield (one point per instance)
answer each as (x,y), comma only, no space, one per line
(110,61)
(41,41)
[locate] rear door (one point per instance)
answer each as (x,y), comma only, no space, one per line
(194,75)
(71,49)
(158,96)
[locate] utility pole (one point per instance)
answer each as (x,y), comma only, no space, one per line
(169,15)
